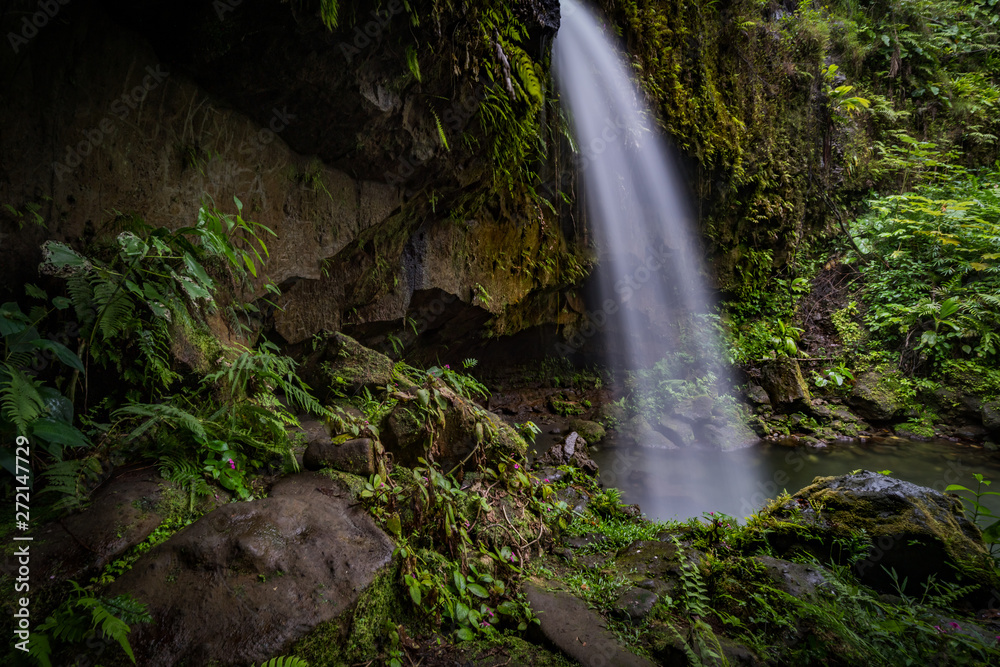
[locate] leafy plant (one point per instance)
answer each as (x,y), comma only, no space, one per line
(83,615)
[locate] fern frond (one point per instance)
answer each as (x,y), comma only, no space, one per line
(20,401)
(160,412)
(329,12)
(285,661)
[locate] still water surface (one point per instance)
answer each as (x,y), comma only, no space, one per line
(677,484)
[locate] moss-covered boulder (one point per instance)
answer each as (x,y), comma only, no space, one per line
(876,395)
(340,364)
(436,423)
(782,380)
(913,530)
(590,431)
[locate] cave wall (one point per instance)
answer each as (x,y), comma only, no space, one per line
(117,109)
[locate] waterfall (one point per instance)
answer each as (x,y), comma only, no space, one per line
(651,293)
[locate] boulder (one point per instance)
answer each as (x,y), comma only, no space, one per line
(590,431)
(446,429)
(875,396)
(340,364)
(567,622)
(123,513)
(246,580)
(782,379)
(756,394)
(678,431)
(635,604)
(914,530)
(990,413)
(640,433)
(696,409)
(798,580)
(355,456)
(728,435)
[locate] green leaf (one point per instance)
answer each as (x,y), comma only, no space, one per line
(61,260)
(465,635)
(63,353)
(992,533)
(459,580)
(478,591)
(58,432)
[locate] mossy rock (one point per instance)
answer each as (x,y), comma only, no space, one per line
(876,395)
(446,431)
(782,380)
(916,531)
(590,431)
(341,365)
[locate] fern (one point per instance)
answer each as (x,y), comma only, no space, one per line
(158,413)
(285,661)
(528,75)
(20,401)
(117,309)
(413,63)
(440,129)
(185,474)
(329,12)
(81,614)
(70,478)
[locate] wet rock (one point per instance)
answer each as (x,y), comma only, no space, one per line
(697,409)
(915,530)
(635,604)
(639,432)
(590,431)
(655,561)
(727,436)
(354,456)
(678,431)
(122,514)
(245,581)
(579,632)
(971,432)
(798,580)
(782,380)
(874,395)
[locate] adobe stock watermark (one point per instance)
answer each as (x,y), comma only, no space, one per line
(32,24)
(120,109)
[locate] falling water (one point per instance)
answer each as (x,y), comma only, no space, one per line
(651,286)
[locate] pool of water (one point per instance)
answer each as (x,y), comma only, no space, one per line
(678,484)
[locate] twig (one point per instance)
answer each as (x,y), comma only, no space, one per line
(519,536)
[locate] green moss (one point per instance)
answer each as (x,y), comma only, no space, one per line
(357,635)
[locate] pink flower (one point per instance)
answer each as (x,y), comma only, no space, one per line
(938,628)
(546,480)
(232,464)
(447,366)
(955,626)
(517,467)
